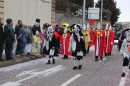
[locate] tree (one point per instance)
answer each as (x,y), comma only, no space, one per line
(110,5)
(89,3)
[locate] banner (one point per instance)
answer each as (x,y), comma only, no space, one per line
(91,22)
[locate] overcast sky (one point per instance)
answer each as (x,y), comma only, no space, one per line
(124,6)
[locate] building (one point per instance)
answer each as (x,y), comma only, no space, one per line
(28,10)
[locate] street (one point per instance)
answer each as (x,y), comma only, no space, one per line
(37,73)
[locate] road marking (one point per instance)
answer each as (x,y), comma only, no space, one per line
(71,80)
(25,72)
(34,74)
(123,80)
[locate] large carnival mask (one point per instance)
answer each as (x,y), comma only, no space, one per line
(76,29)
(65,30)
(84,27)
(50,31)
(128,36)
(88,26)
(107,27)
(99,27)
(110,28)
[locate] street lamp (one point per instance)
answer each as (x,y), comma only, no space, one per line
(84,4)
(101,12)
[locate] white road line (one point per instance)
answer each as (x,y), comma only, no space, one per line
(34,74)
(123,80)
(71,80)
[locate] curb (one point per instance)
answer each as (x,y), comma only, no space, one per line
(19,60)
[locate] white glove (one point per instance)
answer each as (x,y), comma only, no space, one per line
(74,58)
(111,43)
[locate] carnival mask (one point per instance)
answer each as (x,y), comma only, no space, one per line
(76,29)
(50,31)
(107,27)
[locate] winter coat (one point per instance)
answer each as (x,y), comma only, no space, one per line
(26,33)
(1,34)
(10,34)
(34,29)
(30,37)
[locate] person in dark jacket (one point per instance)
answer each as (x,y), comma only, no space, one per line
(36,27)
(10,39)
(17,28)
(1,39)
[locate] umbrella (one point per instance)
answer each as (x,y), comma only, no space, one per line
(65,24)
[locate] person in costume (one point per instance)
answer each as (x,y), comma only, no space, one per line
(57,35)
(86,36)
(98,41)
(111,47)
(77,47)
(125,52)
(50,44)
(91,38)
(108,41)
(65,43)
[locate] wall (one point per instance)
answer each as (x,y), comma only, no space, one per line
(65,18)
(2,8)
(28,10)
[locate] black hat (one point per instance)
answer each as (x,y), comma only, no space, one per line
(38,20)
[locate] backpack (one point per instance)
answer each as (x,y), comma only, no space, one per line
(21,35)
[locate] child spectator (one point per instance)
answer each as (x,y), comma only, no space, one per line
(42,41)
(36,44)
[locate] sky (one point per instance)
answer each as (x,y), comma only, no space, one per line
(124,6)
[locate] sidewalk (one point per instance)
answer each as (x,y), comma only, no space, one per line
(18,59)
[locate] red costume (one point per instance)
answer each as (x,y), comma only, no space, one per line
(98,40)
(108,41)
(112,40)
(91,37)
(65,39)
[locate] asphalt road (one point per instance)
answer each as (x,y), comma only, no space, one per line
(37,73)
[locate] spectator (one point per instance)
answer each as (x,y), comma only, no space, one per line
(10,39)
(36,28)
(23,37)
(20,24)
(36,44)
(1,39)
(42,41)
(29,41)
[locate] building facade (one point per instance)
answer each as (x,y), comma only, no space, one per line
(28,10)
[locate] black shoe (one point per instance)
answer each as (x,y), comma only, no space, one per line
(28,54)
(48,62)
(1,60)
(80,66)
(65,57)
(74,68)
(12,60)
(7,59)
(95,60)
(53,61)
(129,67)
(123,74)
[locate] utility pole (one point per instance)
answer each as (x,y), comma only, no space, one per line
(101,12)
(84,9)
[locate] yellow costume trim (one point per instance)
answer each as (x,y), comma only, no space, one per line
(98,33)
